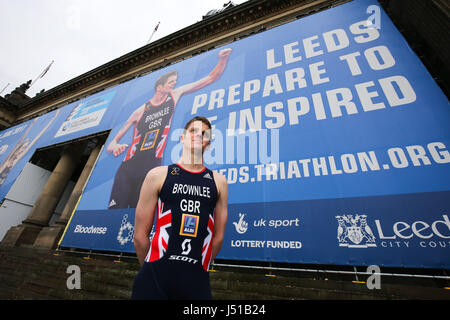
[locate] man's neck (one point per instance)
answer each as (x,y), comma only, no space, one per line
(159,98)
(191,162)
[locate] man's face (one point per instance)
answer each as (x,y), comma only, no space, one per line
(197,136)
(170,84)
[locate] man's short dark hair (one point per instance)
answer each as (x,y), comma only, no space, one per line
(198,118)
(163,79)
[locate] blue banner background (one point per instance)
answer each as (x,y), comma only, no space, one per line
(102,230)
(390,164)
(307,231)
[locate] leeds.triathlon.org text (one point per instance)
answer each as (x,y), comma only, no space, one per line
(433,153)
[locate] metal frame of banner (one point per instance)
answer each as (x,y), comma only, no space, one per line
(270,268)
(342,272)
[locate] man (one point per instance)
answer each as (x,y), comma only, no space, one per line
(191,203)
(151,124)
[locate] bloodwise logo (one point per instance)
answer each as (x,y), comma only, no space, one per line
(353,231)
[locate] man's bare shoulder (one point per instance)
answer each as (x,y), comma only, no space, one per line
(155,178)
(157,172)
(221,182)
(220,178)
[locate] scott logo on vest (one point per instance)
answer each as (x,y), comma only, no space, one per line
(183,258)
(186,246)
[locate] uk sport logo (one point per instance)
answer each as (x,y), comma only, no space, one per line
(354,232)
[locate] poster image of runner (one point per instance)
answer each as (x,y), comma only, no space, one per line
(150,124)
(139,134)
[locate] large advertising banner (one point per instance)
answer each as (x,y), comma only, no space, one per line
(333,137)
(90,115)
(93,114)
(17,145)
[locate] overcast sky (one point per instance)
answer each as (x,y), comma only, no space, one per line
(80,35)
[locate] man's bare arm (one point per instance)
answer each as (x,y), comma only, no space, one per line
(114,146)
(210,78)
(220,215)
(145,210)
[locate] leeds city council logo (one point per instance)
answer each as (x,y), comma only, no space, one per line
(354,232)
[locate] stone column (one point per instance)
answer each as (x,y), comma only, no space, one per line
(49,236)
(45,205)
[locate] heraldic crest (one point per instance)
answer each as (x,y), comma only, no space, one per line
(354,232)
